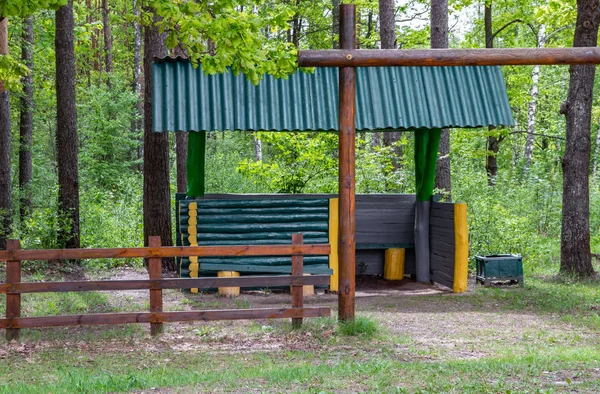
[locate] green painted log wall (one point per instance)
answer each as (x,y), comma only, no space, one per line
(253,222)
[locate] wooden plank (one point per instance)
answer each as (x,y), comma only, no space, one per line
(334,228)
(155,273)
(165,251)
(168,283)
(447,57)
(441,222)
(442,278)
(370,262)
(440,213)
(150,317)
(297,293)
(13,300)
(461,258)
(347,170)
(264,269)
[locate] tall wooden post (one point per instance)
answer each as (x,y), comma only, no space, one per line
(155,272)
(347,137)
(13,300)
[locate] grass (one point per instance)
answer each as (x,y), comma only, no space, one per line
(378,352)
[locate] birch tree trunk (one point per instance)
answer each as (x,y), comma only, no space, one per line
(257,148)
(533,102)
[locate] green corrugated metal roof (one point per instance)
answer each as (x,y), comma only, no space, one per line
(185,99)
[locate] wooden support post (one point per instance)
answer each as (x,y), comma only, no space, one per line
(393,268)
(461,248)
(230,292)
(13,300)
(156,300)
(347,138)
(297,269)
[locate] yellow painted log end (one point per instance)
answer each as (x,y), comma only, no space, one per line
(394,264)
(230,292)
(461,254)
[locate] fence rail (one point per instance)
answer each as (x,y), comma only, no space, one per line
(13,288)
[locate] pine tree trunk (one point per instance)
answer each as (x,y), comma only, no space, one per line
(157,195)
(532,109)
(26,122)
(335,23)
(387,36)
(181,152)
(138,121)
(575,255)
(439,39)
(5,177)
(90,19)
(108,61)
(493,144)
(66,127)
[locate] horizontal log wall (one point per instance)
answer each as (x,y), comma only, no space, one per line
(382,221)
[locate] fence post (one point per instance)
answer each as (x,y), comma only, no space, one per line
(13,300)
(155,272)
(297,269)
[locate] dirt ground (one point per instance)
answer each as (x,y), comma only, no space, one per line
(423,319)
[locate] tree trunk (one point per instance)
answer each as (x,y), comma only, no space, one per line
(575,257)
(138,120)
(26,122)
(335,23)
(534,93)
(181,152)
(5,177)
(387,36)
(66,127)
(387,24)
(90,19)
(493,144)
(439,39)
(157,196)
(257,148)
(108,61)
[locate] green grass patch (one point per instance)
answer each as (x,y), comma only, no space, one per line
(360,326)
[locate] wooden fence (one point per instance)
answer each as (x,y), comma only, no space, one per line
(13,288)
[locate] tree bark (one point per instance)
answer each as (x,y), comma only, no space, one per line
(439,39)
(66,127)
(5,176)
(138,120)
(387,24)
(575,255)
(335,23)
(108,61)
(257,148)
(493,143)
(181,152)
(157,196)
(532,109)
(387,36)
(26,122)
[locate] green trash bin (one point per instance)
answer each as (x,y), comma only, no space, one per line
(499,267)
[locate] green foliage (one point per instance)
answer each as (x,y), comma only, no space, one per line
(25,8)
(11,72)
(299,162)
(222,34)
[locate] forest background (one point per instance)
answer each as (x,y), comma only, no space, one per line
(511,179)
